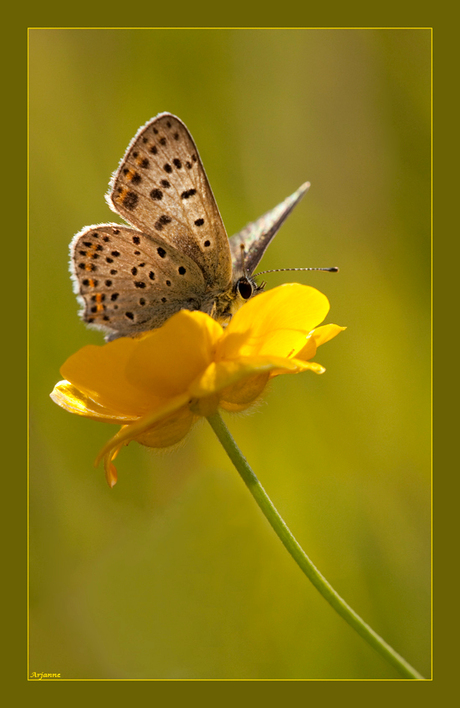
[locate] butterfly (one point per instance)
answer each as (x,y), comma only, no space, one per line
(175,254)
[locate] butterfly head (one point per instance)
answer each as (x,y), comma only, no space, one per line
(244,284)
(244,289)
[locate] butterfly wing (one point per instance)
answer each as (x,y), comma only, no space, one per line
(162,189)
(256,236)
(129,282)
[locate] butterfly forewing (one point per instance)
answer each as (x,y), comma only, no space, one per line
(131,282)
(162,189)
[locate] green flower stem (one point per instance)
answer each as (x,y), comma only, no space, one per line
(299,555)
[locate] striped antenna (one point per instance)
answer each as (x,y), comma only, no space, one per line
(334,269)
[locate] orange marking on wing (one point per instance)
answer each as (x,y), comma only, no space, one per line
(121,194)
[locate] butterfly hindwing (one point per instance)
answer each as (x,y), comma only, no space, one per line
(130,282)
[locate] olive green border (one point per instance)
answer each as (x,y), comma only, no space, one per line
(15,406)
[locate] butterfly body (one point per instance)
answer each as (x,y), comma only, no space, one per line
(176,253)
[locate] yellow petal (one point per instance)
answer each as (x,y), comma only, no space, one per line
(110,473)
(309,350)
(110,469)
(319,336)
(274,323)
(227,373)
(244,391)
(75,401)
(300,367)
(165,361)
(142,425)
(326,332)
(99,372)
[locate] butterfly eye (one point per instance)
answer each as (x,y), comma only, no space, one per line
(245,288)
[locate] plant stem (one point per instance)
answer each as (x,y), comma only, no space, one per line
(299,555)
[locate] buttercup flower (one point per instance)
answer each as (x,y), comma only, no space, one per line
(157,385)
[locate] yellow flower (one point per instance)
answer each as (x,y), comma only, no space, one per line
(157,385)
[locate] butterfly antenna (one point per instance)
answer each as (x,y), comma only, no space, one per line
(334,269)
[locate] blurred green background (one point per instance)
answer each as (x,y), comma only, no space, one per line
(174,573)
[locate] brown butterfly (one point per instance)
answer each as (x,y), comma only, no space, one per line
(175,254)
